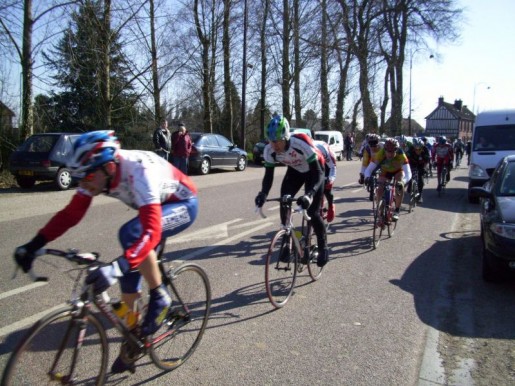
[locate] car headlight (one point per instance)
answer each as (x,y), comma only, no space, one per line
(503,230)
(476,171)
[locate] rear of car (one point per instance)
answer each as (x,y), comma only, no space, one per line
(335,141)
(493,138)
(43,157)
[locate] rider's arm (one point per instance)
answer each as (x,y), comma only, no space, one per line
(315,177)
(150,217)
(268,180)
(407,173)
(67,217)
(370,169)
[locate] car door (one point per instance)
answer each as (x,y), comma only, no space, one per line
(212,148)
(229,156)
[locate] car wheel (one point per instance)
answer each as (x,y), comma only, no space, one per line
(63,179)
(205,166)
(242,164)
(339,157)
(490,270)
(25,182)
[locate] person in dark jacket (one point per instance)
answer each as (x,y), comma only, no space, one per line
(181,148)
(162,140)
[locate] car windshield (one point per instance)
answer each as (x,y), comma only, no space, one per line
(39,143)
(488,138)
(507,183)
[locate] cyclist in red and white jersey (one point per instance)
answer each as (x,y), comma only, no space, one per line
(330,176)
(166,201)
(443,154)
(305,167)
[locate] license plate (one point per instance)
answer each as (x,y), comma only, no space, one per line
(26,173)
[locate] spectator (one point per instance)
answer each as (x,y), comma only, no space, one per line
(349,144)
(162,140)
(181,148)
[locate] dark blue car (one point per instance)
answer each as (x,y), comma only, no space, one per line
(497,215)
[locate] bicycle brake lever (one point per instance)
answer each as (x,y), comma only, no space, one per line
(260,211)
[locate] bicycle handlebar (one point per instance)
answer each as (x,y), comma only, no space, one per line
(72,255)
(298,209)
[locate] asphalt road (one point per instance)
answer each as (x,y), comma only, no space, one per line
(414,311)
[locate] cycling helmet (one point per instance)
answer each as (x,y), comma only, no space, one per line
(442,140)
(402,139)
(91,151)
(391,144)
(373,139)
(278,129)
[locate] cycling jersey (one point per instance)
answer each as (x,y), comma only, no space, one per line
(143,181)
(369,155)
(442,153)
(392,165)
(329,160)
(300,152)
(418,160)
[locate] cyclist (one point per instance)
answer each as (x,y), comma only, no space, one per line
(369,153)
(443,154)
(166,201)
(394,165)
(305,164)
(418,157)
(458,150)
(330,176)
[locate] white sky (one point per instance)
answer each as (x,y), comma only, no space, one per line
(483,60)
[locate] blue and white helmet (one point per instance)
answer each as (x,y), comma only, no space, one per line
(278,129)
(91,151)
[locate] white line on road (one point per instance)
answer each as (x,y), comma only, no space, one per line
(27,321)
(22,289)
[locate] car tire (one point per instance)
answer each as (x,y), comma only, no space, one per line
(63,179)
(490,271)
(205,167)
(242,164)
(25,182)
(339,156)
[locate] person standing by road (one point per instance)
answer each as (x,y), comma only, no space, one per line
(162,140)
(181,148)
(349,144)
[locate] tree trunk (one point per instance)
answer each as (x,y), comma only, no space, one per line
(26,66)
(296,63)
(285,81)
(324,90)
(156,92)
(227,112)
(262,120)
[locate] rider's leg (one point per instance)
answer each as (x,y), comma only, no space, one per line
(319,228)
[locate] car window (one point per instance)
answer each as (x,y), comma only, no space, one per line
(39,143)
(222,141)
(507,186)
(210,140)
(495,137)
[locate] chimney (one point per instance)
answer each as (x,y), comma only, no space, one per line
(440,101)
(458,104)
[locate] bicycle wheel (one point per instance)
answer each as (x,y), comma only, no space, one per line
(280,269)
(60,348)
(187,319)
(313,269)
(378,224)
(442,182)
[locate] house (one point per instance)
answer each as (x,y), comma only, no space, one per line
(454,120)
(6,120)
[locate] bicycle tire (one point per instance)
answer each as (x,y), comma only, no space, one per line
(36,354)
(280,276)
(182,331)
(378,224)
(442,182)
(315,272)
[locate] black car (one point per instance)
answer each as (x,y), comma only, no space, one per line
(43,157)
(212,151)
(497,214)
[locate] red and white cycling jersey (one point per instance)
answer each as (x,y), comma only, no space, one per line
(299,154)
(329,159)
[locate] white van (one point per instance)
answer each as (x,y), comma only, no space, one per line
(335,141)
(492,139)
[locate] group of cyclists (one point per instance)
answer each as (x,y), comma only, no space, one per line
(166,200)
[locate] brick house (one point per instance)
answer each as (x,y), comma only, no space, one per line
(6,120)
(454,120)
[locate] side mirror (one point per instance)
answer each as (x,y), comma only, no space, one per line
(479,191)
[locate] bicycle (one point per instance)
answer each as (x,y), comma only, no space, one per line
(56,347)
(289,252)
(442,182)
(383,213)
(414,191)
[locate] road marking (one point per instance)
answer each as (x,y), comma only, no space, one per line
(17,291)
(20,324)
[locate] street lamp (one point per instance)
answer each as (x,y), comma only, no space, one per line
(412,53)
(474,98)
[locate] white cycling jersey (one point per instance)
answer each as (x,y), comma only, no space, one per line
(298,155)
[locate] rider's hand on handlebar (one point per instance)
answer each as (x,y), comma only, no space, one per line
(25,254)
(367,181)
(260,199)
(304,201)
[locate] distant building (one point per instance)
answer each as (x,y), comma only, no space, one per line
(6,120)
(452,120)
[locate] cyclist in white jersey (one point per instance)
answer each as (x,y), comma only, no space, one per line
(305,167)
(166,201)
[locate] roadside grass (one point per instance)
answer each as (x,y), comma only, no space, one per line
(7,179)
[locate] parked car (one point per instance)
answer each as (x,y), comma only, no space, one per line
(497,214)
(43,157)
(212,151)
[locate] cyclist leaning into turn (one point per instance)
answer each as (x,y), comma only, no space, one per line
(305,167)
(394,165)
(166,201)
(443,154)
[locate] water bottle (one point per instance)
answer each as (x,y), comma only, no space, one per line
(129,317)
